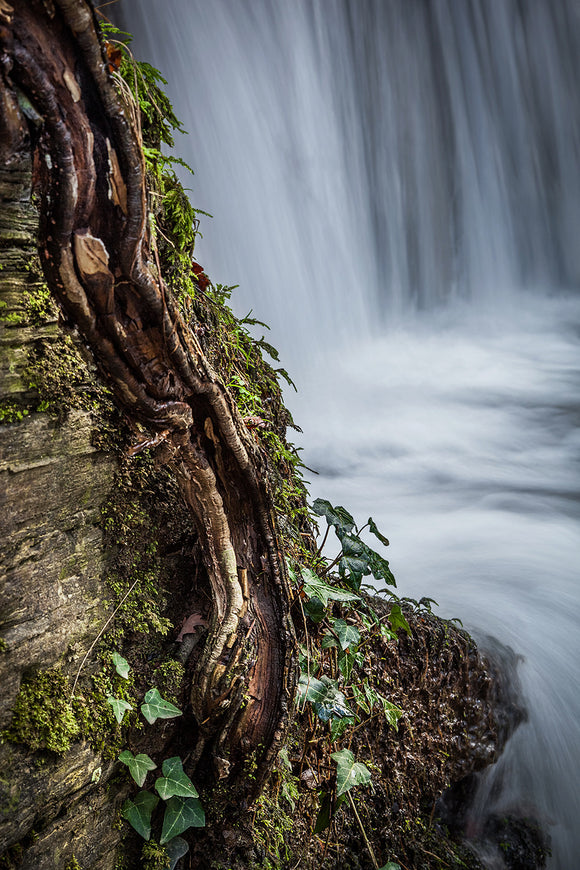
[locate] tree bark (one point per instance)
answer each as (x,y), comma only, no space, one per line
(58,100)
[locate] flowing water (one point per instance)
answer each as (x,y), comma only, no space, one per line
(396,188)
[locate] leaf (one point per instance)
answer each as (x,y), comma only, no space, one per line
(324,814)
(352,569)
(139,765)
(324,695)
(338,517)
(176,849)
(346,662)
(315,609)
(119,706)
(155,707)
(397,619)
(314,587)
(350,772)
(348,635)
(339,726)
(138,812)
(181,814)
(174,782)
(391,866)
(121,665)
(380,569)
(373,529)
(361,700)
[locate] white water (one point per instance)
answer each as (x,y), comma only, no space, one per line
(396,189)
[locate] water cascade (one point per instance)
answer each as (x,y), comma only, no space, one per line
(396,190)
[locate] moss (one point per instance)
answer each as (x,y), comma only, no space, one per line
(168,678)
(154,857)
(12,411)
(46,717)
(43,717)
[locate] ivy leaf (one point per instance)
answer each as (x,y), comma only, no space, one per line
(315,609)
(348,635)
(392,713)
(324,814)
(338,517)
(119,706)
(390,866)
(380,569)
(350,772)
(373,528)
(346,662)
(339,726)
(174,782)
(121,665)
(397,619)
(176,849)
(138,812)
(181,814)
(361,700)
(155,707)
(352,569)
(324,695)
(314,587)
(138,765)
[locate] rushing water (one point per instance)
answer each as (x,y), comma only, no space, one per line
(396,188)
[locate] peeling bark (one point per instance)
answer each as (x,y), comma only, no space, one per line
(57,99)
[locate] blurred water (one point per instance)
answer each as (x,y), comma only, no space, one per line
(396,189)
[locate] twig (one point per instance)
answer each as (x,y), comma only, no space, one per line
(100,634)
(363,832)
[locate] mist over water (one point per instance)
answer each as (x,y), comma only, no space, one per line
(396,189)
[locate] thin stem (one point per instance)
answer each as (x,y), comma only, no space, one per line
(363,832)
(100,634)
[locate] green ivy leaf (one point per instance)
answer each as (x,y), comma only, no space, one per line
(350,772)
(176,849)
(373,528)
(138,765)
(314,587)
(397,619)
(155,707)
(174,783)
(348,635)
(138,812)
(324,695)
(181,814)
(121,665)
(352,569)
(339,726)
(338,517)
(361,700)
(119,706)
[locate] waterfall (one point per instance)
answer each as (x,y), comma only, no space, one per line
(395,187)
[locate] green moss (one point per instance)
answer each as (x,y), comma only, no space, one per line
(154,857)
(168,678)
(12,412)
(43,717)
(46,717)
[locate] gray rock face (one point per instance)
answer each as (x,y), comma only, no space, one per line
(52,562)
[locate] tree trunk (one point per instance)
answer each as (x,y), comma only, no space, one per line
(58,101)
